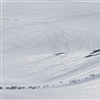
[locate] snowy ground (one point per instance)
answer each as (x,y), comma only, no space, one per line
(50,45)
(56,0)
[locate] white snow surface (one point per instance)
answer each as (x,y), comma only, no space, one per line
(52,0)
(45,43)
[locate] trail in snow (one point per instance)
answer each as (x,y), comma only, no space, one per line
(54,46)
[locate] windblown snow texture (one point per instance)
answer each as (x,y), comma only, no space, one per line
(52,46)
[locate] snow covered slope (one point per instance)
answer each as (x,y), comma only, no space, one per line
(46,45)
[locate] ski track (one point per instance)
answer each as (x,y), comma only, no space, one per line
(41,47)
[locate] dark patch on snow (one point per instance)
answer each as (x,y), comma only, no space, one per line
(94,53)
(15,19)
(1,88)
(60,53)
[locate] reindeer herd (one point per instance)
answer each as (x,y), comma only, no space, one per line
(75,81)
(79,80)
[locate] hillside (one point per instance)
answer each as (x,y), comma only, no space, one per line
(50,45)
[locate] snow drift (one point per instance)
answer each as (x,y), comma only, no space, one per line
(46,45)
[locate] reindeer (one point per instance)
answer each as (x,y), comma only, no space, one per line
(92,75)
